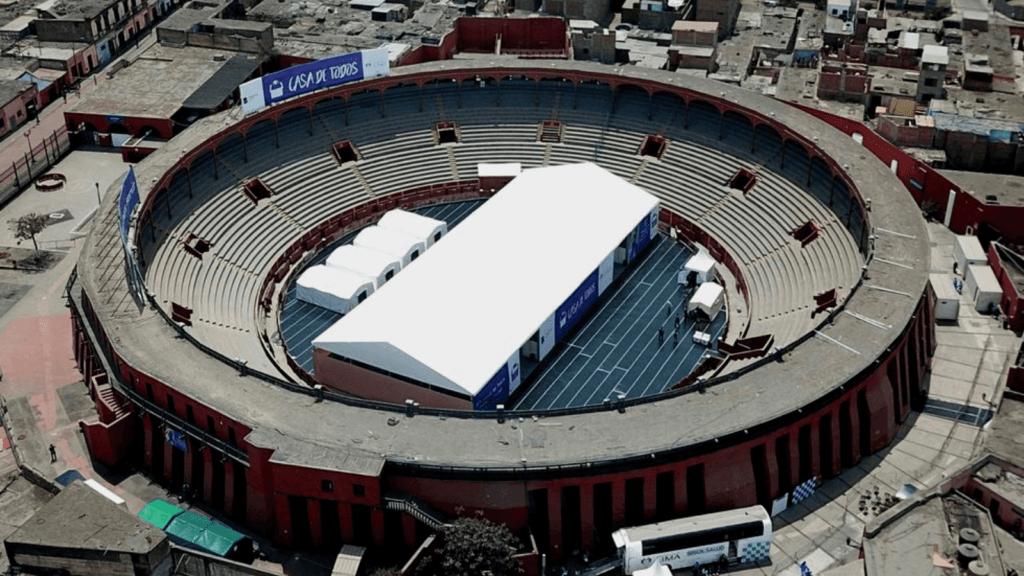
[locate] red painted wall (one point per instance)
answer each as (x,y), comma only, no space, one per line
(365,383)
(135,125)
(1012,302)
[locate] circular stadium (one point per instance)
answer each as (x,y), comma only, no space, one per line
(202,380)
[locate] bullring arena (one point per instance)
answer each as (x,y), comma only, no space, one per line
(846,316)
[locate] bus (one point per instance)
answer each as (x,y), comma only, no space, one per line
(740,536)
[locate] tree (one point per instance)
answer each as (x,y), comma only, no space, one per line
(472,546)
(26,227)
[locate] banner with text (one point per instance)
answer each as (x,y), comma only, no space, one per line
(298,80)
(126,203)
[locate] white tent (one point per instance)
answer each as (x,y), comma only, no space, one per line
(380,267)
(498,170)
(333,288)
(709,299)
(399,245)
(418,226)
(470,303)
(703,264)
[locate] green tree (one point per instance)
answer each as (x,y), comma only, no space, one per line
(473,545)
(26,227)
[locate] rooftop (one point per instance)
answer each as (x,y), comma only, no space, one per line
(165,79)
(1007,188)
(933,54)
(11,89)
(79,517)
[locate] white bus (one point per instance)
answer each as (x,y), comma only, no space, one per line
(738,536)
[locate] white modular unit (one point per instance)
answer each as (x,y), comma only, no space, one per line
(967,251)
(335,289)
(983,287)
(947,300)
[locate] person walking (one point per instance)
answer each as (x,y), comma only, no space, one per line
(678,320)
(53,453)
(661,336)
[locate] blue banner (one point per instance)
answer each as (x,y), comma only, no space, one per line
(126,203)
(177,439)
(573,308)
(494,393)
(643,237)
(325,73)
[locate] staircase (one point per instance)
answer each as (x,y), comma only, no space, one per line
(416,508)
(109,406)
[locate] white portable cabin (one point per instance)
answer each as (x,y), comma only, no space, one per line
(703,264)
(947,300)
(426,229)
(967,251)
(401,246)
(107,493)
(335,289)
(983,287)
(709,299)
(378,266)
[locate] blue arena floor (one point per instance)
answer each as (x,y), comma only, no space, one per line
(302,322)
(615,350)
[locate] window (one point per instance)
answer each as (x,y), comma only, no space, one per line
(415,255)
(231,436)
(702,538)
(930,82)
(189,413)
(149,391)
(210,427)
(390,274)
(359,490)
(437,237)
(170,403)
(362,296)
(327,486)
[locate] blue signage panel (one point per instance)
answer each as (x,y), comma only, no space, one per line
(177,439)
(494,393)
(126,203)
(572,309)
(643,237)
(315,75)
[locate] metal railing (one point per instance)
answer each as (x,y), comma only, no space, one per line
(416,508)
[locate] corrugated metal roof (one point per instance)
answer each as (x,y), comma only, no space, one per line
(219,87)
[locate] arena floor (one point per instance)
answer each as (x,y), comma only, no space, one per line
(615,351)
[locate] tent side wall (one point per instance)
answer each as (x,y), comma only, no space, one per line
(365,383)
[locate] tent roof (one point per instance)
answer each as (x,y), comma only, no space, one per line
(159,513)
(218,538)
(457,315)
(415,225)
(700,262)
(387,240)
(188,526)
(340,282)
(706,296)
(365,261)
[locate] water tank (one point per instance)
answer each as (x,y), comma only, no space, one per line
(967,553)
(978,568)
(969,536)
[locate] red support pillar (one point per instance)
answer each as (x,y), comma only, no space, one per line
(377,526)
(794,458)
(409,531)
(555,522)
(187,474)
(618,502)
(650,496)
(229,487)
(147,442)
(283,526)
(679,479)
(345,519)
(837,446)
(316,532)
(207,455)
(587,516)
(168,459)
(773,468)
(854,409)
(816,447)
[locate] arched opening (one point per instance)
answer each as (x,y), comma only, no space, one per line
(704,119)
(768,145)
(632,102)
(737,131)
(795,162)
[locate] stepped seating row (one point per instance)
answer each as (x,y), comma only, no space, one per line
(309,187)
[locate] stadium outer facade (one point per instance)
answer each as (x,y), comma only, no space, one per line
(317,473)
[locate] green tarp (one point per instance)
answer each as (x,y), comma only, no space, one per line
(188,526)
(219,539)
(159,513)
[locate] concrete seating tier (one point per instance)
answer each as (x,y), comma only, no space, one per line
(394,135)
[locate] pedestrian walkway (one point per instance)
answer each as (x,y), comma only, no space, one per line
(968,370)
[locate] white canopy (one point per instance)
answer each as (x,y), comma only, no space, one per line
(656,569)
(709,298)
(424,228)
(398,245)
(378,266)
(491,170)
(471,302)
(332,288)
(703,264)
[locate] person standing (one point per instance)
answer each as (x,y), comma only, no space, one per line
(53,453)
